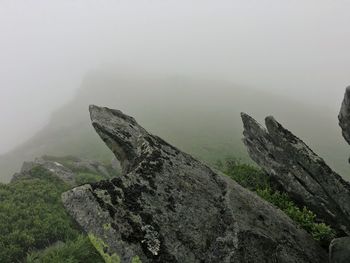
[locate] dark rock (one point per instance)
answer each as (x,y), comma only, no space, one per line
(297,170)
(344,115)
(339,250)
(169,207)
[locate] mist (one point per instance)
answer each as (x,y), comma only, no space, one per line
(174,131)
(294,49)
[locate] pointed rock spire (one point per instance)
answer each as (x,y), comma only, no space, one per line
(297,170)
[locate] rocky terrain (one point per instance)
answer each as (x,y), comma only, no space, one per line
(298,171)
(301,173)
(67,168)
(159,204)
(168,207)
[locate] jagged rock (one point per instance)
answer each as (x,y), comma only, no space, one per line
(297,170)
(344,115)
(339,250)
(169,207)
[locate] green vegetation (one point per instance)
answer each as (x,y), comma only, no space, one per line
(32,217)
(136,260)
(83,178)
(73,251)
(36,229)
(256,180)
(304,217)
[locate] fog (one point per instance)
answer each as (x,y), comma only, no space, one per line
(297,49)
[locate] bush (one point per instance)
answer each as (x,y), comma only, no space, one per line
(246,175)
(84,178)
(32,215)
(304,217)
(73,251)
(256,180)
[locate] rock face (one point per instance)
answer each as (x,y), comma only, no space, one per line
(299,171)
(339,250)
(344,115)
(169,207)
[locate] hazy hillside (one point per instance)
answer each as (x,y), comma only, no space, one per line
(199,116)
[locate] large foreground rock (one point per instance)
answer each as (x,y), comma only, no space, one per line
(299,171)
(169,207)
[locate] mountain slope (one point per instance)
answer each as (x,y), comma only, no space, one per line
(200,116)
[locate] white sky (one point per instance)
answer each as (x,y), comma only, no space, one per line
(295,47)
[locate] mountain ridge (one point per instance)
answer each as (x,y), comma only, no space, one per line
(200,116)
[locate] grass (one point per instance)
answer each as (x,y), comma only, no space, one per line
(32,218)
(73,251)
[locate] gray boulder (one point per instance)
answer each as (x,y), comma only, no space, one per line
(339,250)
(344,115)
(297,170)
(168,207)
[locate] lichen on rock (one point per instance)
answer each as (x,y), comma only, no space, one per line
(101,248)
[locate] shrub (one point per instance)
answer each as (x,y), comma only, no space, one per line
(32,215)
(256,180)
(246,175)
(84,178)
(73,251)
(303,217)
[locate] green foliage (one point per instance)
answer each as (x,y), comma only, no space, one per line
(256,180)
(304,217)
(31,215)
(246,175)
(83,178)
(32,218)
(73,251)
(136,260)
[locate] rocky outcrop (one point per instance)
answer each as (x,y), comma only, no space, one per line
(65,168)
(55,168)
(169,207)
(339,250)
(344,115)
(297,170)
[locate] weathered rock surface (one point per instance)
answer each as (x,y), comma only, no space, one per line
(344,115)
(339,250)
(169,207)
(299,171)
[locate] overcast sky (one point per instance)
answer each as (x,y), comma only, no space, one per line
(293,47)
